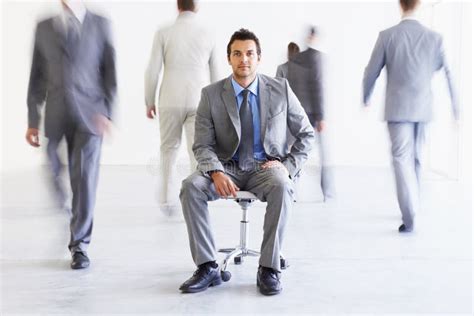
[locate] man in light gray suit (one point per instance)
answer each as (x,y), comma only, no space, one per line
(306,78)
(240,143)
(73,70)
(186,50)
(411,54)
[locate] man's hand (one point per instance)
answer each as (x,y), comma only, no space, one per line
(151,112)
(320,125)
(102,124)
(365,107)
(275,164)
(32,137)
(224,185)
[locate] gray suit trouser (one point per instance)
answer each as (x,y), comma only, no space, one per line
(270,185)
(407,141)
(84,158)
(328,183)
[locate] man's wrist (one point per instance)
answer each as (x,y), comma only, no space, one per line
(213,172)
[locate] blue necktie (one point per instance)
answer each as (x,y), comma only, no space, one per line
(246,160)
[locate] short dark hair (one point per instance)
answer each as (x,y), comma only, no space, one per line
(186,5)
(409,4)
(243,35)
(293,49)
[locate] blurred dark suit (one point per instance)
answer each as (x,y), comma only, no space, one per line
(305,75)
(73,71)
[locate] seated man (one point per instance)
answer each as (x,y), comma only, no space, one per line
(240,143)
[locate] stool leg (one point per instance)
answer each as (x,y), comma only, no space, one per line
(253,253)
(244,234)
(226,250)
(284,264)
(229,256)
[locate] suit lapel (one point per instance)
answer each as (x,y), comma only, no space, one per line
(264,92)
(231,105)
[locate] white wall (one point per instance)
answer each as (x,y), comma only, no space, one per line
(349,31)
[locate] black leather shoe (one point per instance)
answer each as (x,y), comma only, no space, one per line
(405,229)
(79,261)
(207,274)
(268,281)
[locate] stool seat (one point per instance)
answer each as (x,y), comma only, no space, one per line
(247,195)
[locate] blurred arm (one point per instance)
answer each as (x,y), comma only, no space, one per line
(213,68)
(108,71)
(37,87)
(373,69)
(442,63)
(153,71)
(280,73)
(318,89)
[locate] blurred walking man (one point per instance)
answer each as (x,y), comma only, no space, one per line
(185,51)
(411,54)
(73,71)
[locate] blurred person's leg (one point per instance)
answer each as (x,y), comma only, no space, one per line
(328,186)
(403,138)
(420,130)
(171,129)
(56,167)
(84,161)
(189,130)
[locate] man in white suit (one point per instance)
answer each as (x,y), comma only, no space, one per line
(411,53)
(186,52)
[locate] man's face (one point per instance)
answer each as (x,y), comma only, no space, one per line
(244,59)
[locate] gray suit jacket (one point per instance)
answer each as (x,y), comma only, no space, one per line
(305,75)
(282,71)
(76,86)
(217,129)
(411,54)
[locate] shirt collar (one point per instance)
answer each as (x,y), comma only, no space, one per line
(79,12)
(410,16)
(252,88)
(186,14)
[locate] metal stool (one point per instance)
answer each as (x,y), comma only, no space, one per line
(244,199)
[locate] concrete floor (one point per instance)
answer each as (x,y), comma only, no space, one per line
(346,258)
